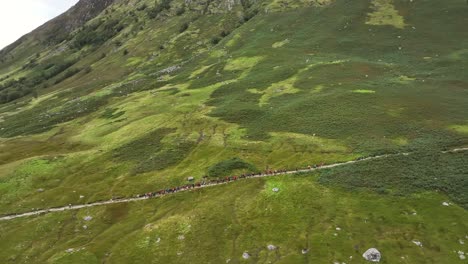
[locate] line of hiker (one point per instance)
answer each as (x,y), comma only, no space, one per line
(207,182)
(203,183)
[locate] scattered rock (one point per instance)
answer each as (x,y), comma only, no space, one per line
(181,237)
(305,250)
(461,242)
(169,69)
(372,254)
(245,255)
(85,227)
(271,247)
(338,229)
(445,204)
(158,240)
(70,250)
(179,253)
(190,178)
(417,243)
(275,189)
(81,196)
(40,190)
(461,255)
(228,260)
(88,218)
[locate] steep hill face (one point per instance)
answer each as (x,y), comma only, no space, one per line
(118,98)
(60,27)
(56,30)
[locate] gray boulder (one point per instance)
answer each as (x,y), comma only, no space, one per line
(372,254)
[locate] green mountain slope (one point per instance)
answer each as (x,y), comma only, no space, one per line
(117,98)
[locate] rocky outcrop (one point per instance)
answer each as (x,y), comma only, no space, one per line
(57,29)
(74,18)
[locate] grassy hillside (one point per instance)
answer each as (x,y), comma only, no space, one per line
(143,94)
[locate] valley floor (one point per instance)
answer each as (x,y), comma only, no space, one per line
(219,225)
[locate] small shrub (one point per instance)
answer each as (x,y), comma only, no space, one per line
(158,8)
(224,33)
(142,7)
(112,113)
(180,11)
(183,27)
(88,69)
(69,73)
(215,40)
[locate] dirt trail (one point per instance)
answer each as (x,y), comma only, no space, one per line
(126,200)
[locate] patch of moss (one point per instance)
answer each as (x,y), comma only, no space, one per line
(385,14)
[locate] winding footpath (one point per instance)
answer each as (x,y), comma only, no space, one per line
(144,197)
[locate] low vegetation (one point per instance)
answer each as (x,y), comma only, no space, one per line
(406,175)
(143,95)
(227,167)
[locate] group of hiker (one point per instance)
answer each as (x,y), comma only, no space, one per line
(205,181)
